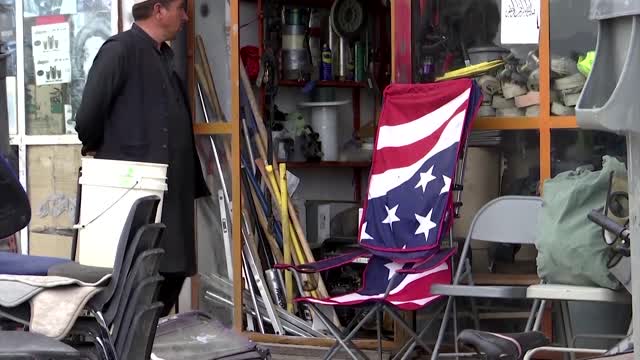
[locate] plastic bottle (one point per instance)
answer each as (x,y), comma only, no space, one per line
(326,64)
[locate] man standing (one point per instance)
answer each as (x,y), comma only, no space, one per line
(134,108)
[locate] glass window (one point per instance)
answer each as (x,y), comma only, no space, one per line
(10,243)
(215,295)
(454,34)
(571,148)
(61,38)
(521,162)
(8,45)
(52,186)
(572,37)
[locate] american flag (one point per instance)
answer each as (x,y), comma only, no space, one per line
(421,134)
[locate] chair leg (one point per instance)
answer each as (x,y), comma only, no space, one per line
(443,328)
(408,347)
(532,315)
(347,330)
(106,335)
(538,322)
(379,329)
(417,339)
(352,351)
(474,307)
(568,331)
(104,355)
(455,326)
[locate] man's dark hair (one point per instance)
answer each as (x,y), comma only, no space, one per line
(144,10)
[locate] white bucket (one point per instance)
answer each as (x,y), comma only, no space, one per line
(109,189)
(324,121)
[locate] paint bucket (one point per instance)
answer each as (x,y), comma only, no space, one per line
(109,189)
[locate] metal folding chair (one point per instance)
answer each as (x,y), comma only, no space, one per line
(507,219)
(417,165)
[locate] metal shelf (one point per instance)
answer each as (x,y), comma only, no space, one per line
(325,83)
(328,164)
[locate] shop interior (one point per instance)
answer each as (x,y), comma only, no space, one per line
(290,98)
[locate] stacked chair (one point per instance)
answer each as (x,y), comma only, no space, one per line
(417,169)
(118,318)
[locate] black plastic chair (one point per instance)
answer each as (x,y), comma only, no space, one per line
(142,296)
(18,345)
(145,267)
(149,239)
(139,344)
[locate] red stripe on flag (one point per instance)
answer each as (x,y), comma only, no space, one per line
(399,157)
(412,105)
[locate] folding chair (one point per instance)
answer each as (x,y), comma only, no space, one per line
(507,219)
(513,219)
(421,137)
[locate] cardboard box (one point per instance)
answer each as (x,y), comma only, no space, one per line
(52,186)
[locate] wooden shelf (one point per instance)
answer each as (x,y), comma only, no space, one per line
(563,122)
(324,83)
(523,123)
(307,3)
(506,123)
(328,164)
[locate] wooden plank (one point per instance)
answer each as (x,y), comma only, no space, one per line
(312,341)
(545,84)
(213,128)
(401,44)
(505,279)
(564,122)
(506,123)
(235,165)
(324,83)
(295,352)
(327,164)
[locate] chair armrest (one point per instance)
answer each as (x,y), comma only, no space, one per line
(431,262)
(326,264)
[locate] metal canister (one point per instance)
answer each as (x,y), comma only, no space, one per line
(359,55)
(293,16)
(294,55)
(342,70)
(326,72)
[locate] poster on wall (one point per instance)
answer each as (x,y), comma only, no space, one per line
(33,8)
(51,53)
(520,21)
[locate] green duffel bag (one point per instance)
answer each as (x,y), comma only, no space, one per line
(571,249)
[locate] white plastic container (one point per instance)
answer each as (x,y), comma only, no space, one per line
(109,189)
(324,121)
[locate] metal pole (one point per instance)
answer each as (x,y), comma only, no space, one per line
(215,151)
(633,158)
(247,271)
